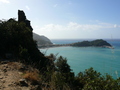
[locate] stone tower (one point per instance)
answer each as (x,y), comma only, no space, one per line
(22,18)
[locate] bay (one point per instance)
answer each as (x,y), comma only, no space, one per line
(104,60)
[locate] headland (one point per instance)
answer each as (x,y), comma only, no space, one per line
(95,43)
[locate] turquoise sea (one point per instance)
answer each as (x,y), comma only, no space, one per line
(103,60)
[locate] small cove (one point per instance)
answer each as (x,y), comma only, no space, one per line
(103,60)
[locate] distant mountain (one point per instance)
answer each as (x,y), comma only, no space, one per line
(41,40)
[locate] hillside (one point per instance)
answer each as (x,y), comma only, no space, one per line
(17,42)
(17,76)
(96,43)
(42,40)
(24,67)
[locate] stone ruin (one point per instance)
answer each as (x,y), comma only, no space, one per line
(22,18)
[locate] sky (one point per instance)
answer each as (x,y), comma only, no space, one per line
(68,19)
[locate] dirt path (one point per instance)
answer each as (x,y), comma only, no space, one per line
(10,76)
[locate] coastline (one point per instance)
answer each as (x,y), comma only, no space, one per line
(95,43)
(52,46)
(66,45)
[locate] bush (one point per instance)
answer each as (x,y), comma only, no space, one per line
(33,77)
(62,65)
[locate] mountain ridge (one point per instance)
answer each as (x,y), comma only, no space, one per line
(41,39)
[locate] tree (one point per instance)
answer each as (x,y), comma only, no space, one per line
(16,38)
(93,80)
(62,65)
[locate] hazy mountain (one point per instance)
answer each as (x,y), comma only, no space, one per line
(42,40)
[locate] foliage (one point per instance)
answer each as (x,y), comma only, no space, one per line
(41,40)
(98,42)
(13,35)
(63,79)
(23,53)
(62,65)
(16,39)
(33,77)
(84,43)
(93,80)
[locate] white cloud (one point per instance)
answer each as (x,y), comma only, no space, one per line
(77,30)
(115,26)
(4,1)
(27,8)
(55,5)
(51,27)
(76,26)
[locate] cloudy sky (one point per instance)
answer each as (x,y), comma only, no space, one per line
(68,19)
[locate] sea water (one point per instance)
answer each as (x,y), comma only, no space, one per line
(104,60)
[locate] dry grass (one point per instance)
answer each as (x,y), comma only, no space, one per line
(14,65)
(33,77)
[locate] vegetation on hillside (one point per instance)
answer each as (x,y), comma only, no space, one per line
(16,39)
(62,78)
(55,73)
(98,43)
(41,40)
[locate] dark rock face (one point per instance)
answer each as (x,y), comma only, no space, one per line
(22,18)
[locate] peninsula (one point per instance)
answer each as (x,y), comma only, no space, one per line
(94,43)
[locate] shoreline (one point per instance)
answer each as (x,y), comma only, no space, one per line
(53,46)
(59,45)
(95,43)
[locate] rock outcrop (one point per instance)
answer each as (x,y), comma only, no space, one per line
(22,18)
